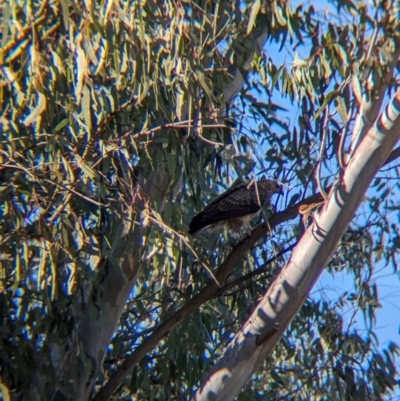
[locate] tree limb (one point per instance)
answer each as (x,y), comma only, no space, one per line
(209,292)
(291,287)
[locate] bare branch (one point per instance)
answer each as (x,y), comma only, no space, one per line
(209,292)
(290,289)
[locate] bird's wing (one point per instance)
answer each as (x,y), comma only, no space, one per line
(227,193)
(236,202)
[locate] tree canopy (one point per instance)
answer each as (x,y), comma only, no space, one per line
(120,120)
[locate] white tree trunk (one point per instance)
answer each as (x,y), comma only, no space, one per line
(266,325)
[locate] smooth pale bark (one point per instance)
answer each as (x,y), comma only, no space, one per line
(268,322)
(210,291)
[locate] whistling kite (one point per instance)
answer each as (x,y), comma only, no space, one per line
(235,208)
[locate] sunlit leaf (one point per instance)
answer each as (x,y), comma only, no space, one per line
(37,110)
(255,8)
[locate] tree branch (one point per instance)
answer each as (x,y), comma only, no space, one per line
(209,292)
(281,302)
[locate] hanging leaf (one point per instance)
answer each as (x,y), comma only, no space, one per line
(86,107)
(342,109)
(357,88)
(35,113)
(255,8)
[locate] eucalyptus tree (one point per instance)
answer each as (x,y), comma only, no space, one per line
(120,121)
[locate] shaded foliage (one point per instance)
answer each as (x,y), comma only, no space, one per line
(102,101)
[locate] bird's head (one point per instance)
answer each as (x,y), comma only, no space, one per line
(271,186)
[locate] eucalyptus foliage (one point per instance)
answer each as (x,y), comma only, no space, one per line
(119,121)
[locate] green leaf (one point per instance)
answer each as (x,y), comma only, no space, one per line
(356,85)
(331,95)
(281,18)
(86,107)
(37,110)
(342,109)
(85,168)
(255,8)
(277,378)
(200,76)
(65,13)
(61,124)
(81,71)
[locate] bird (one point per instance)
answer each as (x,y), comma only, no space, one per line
(234,208)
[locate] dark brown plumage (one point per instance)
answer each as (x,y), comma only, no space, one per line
(235,208)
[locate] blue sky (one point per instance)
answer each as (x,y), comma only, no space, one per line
(331,286)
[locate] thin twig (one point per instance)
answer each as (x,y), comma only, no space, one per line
(182,238)
(257,271)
